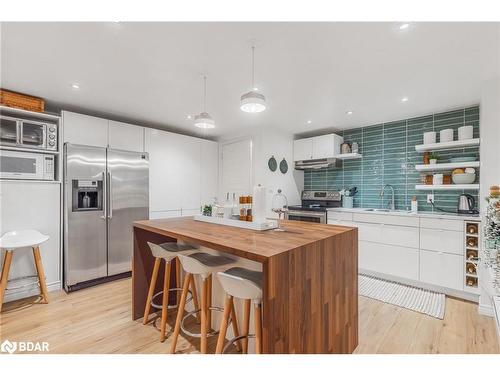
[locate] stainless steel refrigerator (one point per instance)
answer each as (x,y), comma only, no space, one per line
(106,190)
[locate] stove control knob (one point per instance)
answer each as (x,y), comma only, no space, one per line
(52,144)
(52,129)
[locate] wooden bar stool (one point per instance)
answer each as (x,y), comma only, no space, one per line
(203,264)
(168,252)
(246,284)
(17,239)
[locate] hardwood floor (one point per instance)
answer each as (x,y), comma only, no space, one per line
(98,320)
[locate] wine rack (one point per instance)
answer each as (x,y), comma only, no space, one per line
(471,244)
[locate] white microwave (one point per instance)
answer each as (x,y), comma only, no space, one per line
(26,165)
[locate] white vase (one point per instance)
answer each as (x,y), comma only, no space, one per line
(432,161)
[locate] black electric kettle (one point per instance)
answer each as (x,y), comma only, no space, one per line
(466,204)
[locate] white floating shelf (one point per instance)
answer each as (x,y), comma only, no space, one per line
(446,166)
(352,155)
(448,187)
(448,145)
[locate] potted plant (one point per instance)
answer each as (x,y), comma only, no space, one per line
(433,158)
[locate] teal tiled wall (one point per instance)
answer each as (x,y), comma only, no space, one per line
(389,157)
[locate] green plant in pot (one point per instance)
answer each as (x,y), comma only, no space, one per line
(207,210)
(433,158)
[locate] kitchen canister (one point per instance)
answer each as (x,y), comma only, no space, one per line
(429,138)
(446,135)
(437,179)
(347,202)
(465,132)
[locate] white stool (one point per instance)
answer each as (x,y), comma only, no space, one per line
(168,252)
(17,239)
(203,264)
(245,284)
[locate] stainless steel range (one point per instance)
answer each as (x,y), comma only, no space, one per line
(314,206)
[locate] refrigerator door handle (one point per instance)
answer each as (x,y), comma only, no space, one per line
(110,187)
(104,196)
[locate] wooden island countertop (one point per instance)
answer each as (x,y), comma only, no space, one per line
(310,294)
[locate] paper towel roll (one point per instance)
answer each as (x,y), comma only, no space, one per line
(259,204)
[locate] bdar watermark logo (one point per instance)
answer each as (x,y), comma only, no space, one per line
(8,347)
(23,346)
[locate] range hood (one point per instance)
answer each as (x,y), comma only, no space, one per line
(318,163)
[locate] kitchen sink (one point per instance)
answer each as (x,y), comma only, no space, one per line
(378,209)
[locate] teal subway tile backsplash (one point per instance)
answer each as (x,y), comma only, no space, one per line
(389,157)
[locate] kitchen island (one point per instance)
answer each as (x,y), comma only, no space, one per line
(310,293)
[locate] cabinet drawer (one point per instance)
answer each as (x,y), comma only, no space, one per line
(387,219)
(441,269)
(388,259)
(337,215)
(441,240)
(457,225)
(347,223)
(389,234)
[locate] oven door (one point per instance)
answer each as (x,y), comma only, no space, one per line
(309,216)
(33,134)
(10,131)
(21,165)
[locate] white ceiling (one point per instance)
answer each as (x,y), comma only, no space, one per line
(151,73)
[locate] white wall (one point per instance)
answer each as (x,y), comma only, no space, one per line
(32,205)
(266,143)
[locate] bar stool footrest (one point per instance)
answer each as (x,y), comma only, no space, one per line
(198,335)
(169,307)
(232,341)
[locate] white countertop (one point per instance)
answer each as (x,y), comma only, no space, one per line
(441,215)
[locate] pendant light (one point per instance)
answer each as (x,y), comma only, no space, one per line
(252,101)
(204,120)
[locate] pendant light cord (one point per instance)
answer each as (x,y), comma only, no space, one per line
(204,93)
(253,67)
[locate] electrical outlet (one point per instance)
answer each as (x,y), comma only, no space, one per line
(430,198)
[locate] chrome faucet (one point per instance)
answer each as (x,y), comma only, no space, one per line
(391,204)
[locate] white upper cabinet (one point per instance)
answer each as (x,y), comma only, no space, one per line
(85,130)
(209,170)
(183,173)
(321,147)
(189,153)
(164,170)
(326,146)
(302,149)
(122,136)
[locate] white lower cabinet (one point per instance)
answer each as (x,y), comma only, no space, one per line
(446,241)
(441,269)
(389,259)
(389,234)
(422,250)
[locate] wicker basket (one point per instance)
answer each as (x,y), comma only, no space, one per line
(16,100)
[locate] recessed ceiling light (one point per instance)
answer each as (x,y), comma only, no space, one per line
(309,121)
(255,89)
(75,86)
(189,117)
(404,26)
(405,99)
(348,113)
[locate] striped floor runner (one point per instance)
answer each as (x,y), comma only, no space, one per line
(409,297)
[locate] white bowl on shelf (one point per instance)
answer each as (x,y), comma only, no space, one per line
(465,132)
(429,138)
(446,135)
(463,178)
